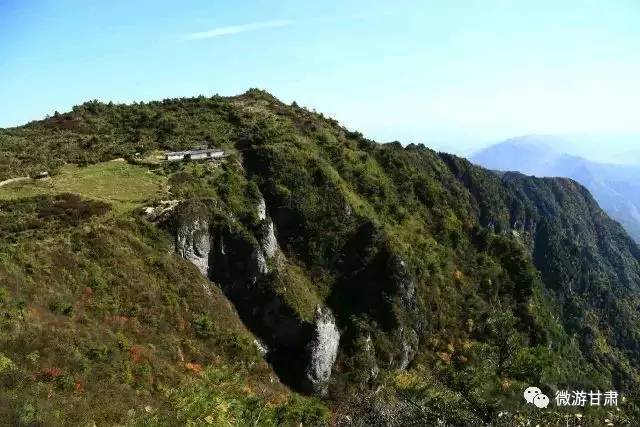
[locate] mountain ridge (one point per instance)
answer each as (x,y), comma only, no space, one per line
(612,185)
(400,285)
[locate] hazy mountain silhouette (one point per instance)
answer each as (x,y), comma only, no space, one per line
(615,187)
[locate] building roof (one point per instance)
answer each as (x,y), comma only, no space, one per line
(192,152)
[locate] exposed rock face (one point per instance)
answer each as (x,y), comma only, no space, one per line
(193,244)
(262,210)
(405,285)
(257,265)
(234,261)
(237,259)
(161,210)
(302,352)
(262,349)
(269,243)
(239,266)
(323,351)
(369,354)
(409,348)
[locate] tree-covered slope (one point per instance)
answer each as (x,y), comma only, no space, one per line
(401,285)
(614,186)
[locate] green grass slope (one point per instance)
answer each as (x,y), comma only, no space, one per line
(101,323)
(119,183)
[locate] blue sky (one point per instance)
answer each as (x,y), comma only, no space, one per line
(451,74)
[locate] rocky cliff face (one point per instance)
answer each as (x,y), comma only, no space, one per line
(323,349)
(238,263)
(268,241)
(193,243)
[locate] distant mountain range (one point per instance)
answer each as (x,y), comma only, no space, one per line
(616,187)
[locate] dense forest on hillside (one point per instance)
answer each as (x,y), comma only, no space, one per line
(349,282)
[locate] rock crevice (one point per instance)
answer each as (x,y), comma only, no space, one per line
(302,352)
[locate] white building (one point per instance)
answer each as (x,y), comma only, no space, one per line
(197,154)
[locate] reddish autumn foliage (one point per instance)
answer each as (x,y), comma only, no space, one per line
(194,367)
(445,357)
(47,374)
(135,353)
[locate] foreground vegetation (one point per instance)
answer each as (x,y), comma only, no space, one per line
(100,323)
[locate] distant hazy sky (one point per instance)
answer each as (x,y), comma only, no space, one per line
(447,73)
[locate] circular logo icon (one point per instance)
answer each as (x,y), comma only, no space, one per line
(530,393)
(541,401)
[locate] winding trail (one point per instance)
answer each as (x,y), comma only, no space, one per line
(12,180)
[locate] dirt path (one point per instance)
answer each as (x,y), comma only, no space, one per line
(9,181)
